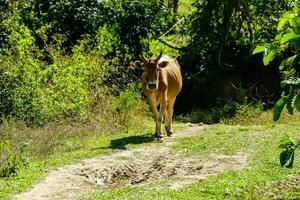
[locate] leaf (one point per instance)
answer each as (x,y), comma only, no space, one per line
(288,15)
(259,49)
(285,141)
(269,56)
(287,37)
(279,107)
(292,22)
(295,82)
(297,102)
(295,41)
(297,8)
(287,158)
(287,62)
(282,22)
(288,151)
(290,107)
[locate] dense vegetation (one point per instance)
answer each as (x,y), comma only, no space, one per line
(64,54)
(287,40)
(69,62)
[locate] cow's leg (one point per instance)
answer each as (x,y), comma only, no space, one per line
(162,110)
(168,118)
(153,104)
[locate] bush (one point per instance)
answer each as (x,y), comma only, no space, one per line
(13,162)
(136,20)
(222,37)
(11,159)
(129,105)
(211,115)
(40,91)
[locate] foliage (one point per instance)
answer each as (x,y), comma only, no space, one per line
(222,34)
(136,20)
(59,58)
(133,23)
(11,165)
(220,25)
(288,147)
(131,20)
(286,42)
(211,115)
(39,91)
(10,12)
(128,104)
(71,18)
(230,113)
(11,160)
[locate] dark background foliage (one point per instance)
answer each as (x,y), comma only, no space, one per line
(216,58)
(218,63)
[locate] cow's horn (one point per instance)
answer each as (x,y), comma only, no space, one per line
(159,55)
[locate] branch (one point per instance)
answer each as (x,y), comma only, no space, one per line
(168,31)
(165,43)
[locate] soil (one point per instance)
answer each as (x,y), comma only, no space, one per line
(141,166)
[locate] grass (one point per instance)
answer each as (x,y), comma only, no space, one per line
(250,131)
(262,179)
(83,142)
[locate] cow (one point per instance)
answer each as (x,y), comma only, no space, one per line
(161,83)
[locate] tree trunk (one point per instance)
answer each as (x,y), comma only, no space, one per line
(170,3)
(175,10)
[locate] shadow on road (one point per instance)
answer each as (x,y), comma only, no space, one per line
(121,143)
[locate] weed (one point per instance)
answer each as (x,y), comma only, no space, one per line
(12,159)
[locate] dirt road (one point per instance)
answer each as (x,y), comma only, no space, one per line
(140,166)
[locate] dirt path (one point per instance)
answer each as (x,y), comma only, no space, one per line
(140,166)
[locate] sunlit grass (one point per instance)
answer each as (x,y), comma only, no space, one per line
(84,143)
(259,180)
(249,132)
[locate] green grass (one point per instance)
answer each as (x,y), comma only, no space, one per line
(74,149)
(257,136)
(77,149)
(263,178)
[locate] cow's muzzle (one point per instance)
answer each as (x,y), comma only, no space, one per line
(152,85)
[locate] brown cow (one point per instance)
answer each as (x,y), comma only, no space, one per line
(161,83)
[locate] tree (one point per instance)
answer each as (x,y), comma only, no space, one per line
(222,33)
(175,5)
(287,45)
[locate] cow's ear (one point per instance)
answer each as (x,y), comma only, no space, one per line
(138,64)
(163,64)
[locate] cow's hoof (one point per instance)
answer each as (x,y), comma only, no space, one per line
(160,139)
(169,133)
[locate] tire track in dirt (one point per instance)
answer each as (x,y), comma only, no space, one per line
(140,166)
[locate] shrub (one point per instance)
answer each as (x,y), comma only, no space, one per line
(222,34)
(286,41)
(39,91)
(129,105)
(11,165)
(11,159)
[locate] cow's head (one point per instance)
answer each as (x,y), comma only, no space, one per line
(151,70)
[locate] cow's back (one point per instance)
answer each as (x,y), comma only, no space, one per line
(171,75)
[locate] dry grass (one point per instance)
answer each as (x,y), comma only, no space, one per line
(57,136)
